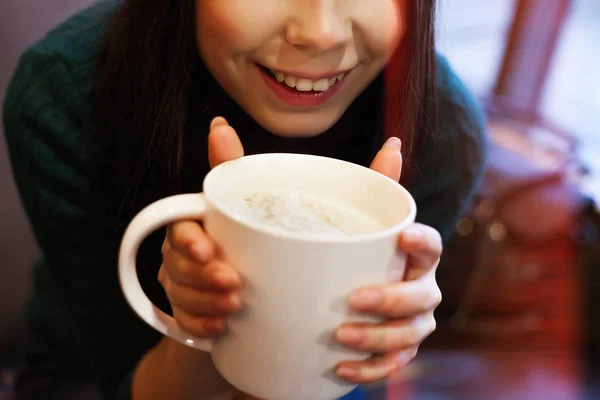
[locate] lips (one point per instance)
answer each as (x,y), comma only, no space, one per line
(301,91)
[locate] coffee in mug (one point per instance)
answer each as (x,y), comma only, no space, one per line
(304,214)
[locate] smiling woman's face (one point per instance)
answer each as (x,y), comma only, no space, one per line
(296,65)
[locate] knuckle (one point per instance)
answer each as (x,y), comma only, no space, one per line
(166,246)
(405,356)
(431,298)
(432,325)
(409,354)
(161,276)
(419,330)
(439,297)
(414,351)
(424,307)
(435,298)
(414,336)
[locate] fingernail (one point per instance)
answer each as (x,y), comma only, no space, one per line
(366,299)
(350,335)
(217,121)
(200,252)
(393,143)
(347,372)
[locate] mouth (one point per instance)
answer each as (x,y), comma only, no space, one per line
(300,90)
(302,84)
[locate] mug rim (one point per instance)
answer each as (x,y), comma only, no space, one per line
(313,238)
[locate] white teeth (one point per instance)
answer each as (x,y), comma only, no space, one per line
(290,81)
(321,85)
(306,85)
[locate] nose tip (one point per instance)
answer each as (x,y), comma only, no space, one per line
(322,31)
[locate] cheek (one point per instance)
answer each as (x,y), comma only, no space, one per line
(397,25)
(234,26)
(384,25)
(216,27)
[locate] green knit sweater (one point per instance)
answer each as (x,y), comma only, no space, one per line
(77,313)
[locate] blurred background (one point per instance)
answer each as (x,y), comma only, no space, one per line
(518,276)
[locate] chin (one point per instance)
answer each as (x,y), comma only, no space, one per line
(301,125)
(295,131)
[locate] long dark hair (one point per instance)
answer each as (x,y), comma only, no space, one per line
(153,90)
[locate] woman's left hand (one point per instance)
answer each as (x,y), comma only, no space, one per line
(407,306)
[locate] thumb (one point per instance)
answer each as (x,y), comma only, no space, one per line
(388,161)
(223,143)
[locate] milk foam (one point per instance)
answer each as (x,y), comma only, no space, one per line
(301,213)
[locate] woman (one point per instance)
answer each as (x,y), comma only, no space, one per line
(111,111)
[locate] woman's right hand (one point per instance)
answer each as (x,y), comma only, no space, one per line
(201,287)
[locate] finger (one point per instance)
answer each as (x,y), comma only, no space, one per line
(199,326)
(388,161)
(216,275)
(188,238)
(201,303)
(421,242)
(397,300)
(375,368)
(223,143)
(387,337)
(424,246)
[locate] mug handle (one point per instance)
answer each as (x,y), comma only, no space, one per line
(151,218)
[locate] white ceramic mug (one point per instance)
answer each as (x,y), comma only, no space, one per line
(295,288)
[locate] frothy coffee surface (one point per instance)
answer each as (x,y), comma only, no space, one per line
(304,214)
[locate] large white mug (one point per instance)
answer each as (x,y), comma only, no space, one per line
(295,287)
